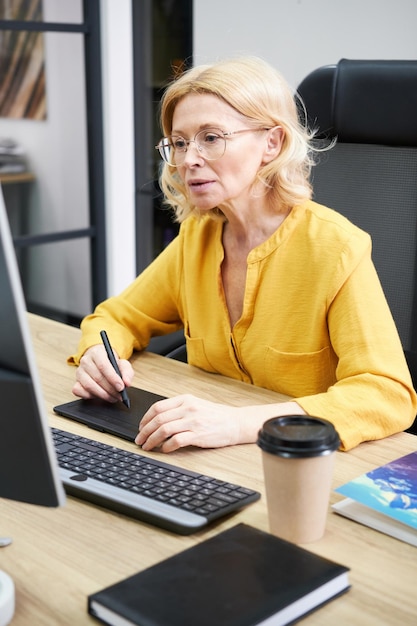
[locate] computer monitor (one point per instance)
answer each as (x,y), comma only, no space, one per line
(28,466)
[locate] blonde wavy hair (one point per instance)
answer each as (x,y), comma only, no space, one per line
(258,92)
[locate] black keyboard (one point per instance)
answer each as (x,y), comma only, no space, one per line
(144,488)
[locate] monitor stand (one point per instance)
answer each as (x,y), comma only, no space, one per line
(7,599)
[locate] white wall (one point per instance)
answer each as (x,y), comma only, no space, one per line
(297,36)
(117,61)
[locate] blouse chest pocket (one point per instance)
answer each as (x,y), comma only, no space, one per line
(299,374)
(196,354)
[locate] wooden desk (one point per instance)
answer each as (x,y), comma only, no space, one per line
(59,556)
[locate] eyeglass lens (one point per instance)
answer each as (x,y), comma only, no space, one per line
(210,144)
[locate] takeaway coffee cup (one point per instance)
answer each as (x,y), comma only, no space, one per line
(298,458)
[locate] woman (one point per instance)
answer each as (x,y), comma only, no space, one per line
(270,287)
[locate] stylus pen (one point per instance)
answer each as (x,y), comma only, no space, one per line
(113,361)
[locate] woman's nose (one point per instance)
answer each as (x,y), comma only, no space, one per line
(193,153)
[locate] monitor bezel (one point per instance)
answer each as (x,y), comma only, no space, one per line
(29,470)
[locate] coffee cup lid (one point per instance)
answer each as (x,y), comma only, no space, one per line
(298,436)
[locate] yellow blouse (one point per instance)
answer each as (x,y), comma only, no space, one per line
(315,322)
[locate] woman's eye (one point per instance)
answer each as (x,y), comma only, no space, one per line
(179,144)
(211,138)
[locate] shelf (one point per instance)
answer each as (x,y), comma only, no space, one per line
(20,177)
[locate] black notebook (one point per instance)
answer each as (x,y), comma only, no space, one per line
(107,417)
(241,577)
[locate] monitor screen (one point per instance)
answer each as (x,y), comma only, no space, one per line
(28,466)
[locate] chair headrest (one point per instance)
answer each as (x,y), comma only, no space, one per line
(364,101)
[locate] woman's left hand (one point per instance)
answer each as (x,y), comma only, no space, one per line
(188,421)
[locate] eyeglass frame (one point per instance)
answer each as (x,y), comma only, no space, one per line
(161,145)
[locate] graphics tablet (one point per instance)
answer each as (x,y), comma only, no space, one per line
(106,417)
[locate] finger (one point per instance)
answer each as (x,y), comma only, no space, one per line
(95,385)
(158,438)
(91,389)
(161,427)
(89,376)
(78,390)
(158,409)
(126,371)
(181,440)
(96,369)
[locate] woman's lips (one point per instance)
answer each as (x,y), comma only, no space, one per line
(199,185)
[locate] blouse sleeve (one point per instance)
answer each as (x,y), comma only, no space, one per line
(149,306)
(373,396)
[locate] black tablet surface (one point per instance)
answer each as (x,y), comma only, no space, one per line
(115,419)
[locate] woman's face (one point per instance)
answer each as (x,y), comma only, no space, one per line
(228,180)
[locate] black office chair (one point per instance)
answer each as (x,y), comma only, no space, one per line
(171,345)
(370,175)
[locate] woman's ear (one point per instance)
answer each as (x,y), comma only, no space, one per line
(274,141)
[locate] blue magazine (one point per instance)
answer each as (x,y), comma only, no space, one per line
(384,498)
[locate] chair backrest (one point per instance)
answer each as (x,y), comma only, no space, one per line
(370,176)
(172,346)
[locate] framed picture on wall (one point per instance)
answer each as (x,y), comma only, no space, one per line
(22,63)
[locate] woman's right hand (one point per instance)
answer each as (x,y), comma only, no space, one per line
(96,377)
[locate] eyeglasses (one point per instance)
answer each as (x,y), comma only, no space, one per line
(210,143)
